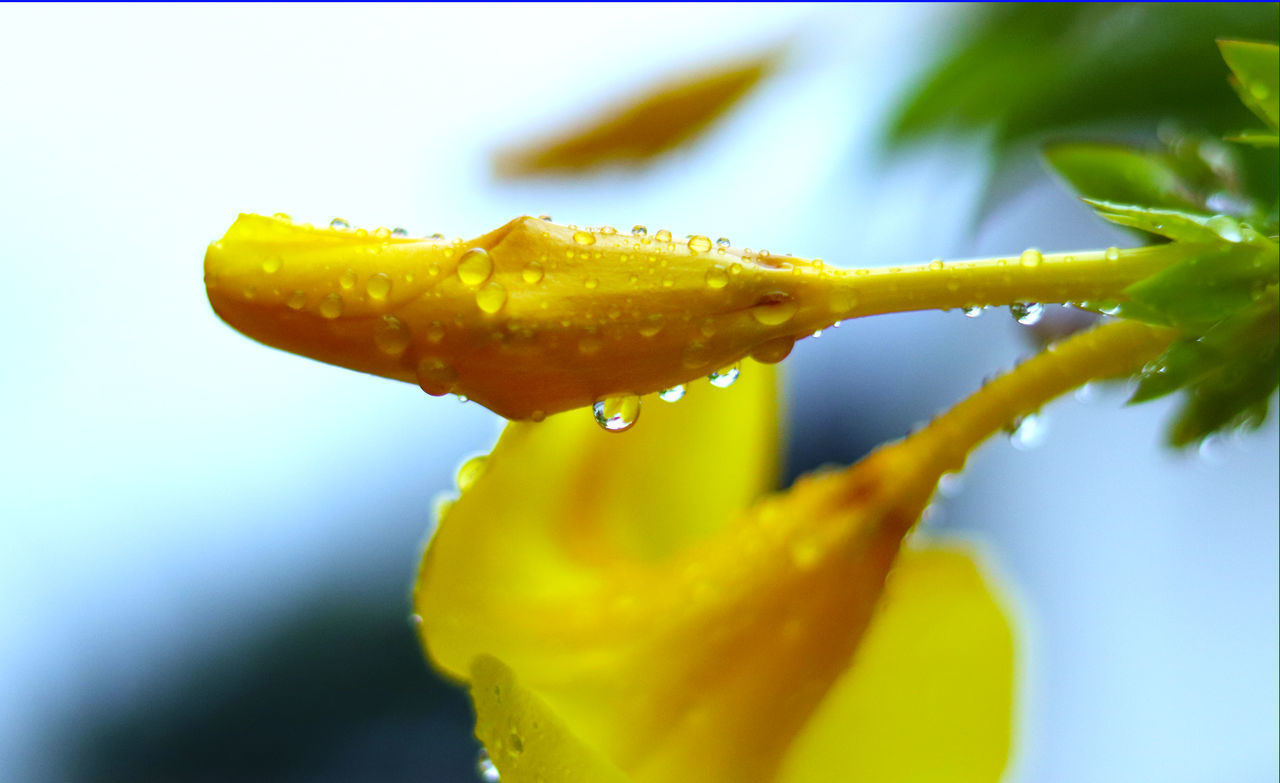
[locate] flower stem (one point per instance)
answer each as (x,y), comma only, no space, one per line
(1060,277)
(1108,351)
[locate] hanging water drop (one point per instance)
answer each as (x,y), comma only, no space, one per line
(1027,313)
(617,413)
(485,768)
(972,311)
(773,351)
(724,378)
(475,267)
(674,394)
(436,376)
(1027,432)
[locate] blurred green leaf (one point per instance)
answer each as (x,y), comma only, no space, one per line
(1109,172)
(1024,71)
(1256,138)
(1256,71)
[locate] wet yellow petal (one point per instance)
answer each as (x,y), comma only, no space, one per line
(527,742)
(646,126)
(929,695)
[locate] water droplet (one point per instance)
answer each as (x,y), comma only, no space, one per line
(436,376)
(471,470)
(338,224)
(297,300)
(618,412)
(674,394)
(972,311)
(663,235)
(435,331)
(491,297)
(547,218)
(842,300)
(950,484)
(382,232)
(437,237)
(1225,226)
(773,351)
(774,308)
(717,277)
(378,286)
(699,244)
(1112,254)
(331,305)
(591,283)
(936,265)
(283,217)
(590,344)
(639,231)
(1027,432)
(391,335)
(347,279)
(485,768)
(608,230)
(532,272)
(1031,258)
(475,267)
(272,264)
(724,377)
(651,325)
(696,355)
(399,232)
(723,242)
(584,237)
(1027,313)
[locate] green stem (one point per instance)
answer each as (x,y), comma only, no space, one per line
(1094,275)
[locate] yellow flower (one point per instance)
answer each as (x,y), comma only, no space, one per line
(636,608)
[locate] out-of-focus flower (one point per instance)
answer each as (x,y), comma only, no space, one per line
(635,608)
(535,318)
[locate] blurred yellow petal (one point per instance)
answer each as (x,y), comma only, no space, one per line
(645,126)
(529,743)
(929,695)
(702,659)
(535,318)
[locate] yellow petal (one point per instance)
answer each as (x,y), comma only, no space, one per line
(526,740)
(562,503)
(647,126)
(929,695)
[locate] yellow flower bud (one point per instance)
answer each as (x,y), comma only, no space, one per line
(529,320)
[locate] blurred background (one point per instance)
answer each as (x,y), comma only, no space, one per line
(207,545)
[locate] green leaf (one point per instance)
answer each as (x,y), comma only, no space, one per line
(1114,173)
(1181,225)
(1022,71)
(1256,138)
(1256,77)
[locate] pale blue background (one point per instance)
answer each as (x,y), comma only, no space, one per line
(167,485)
